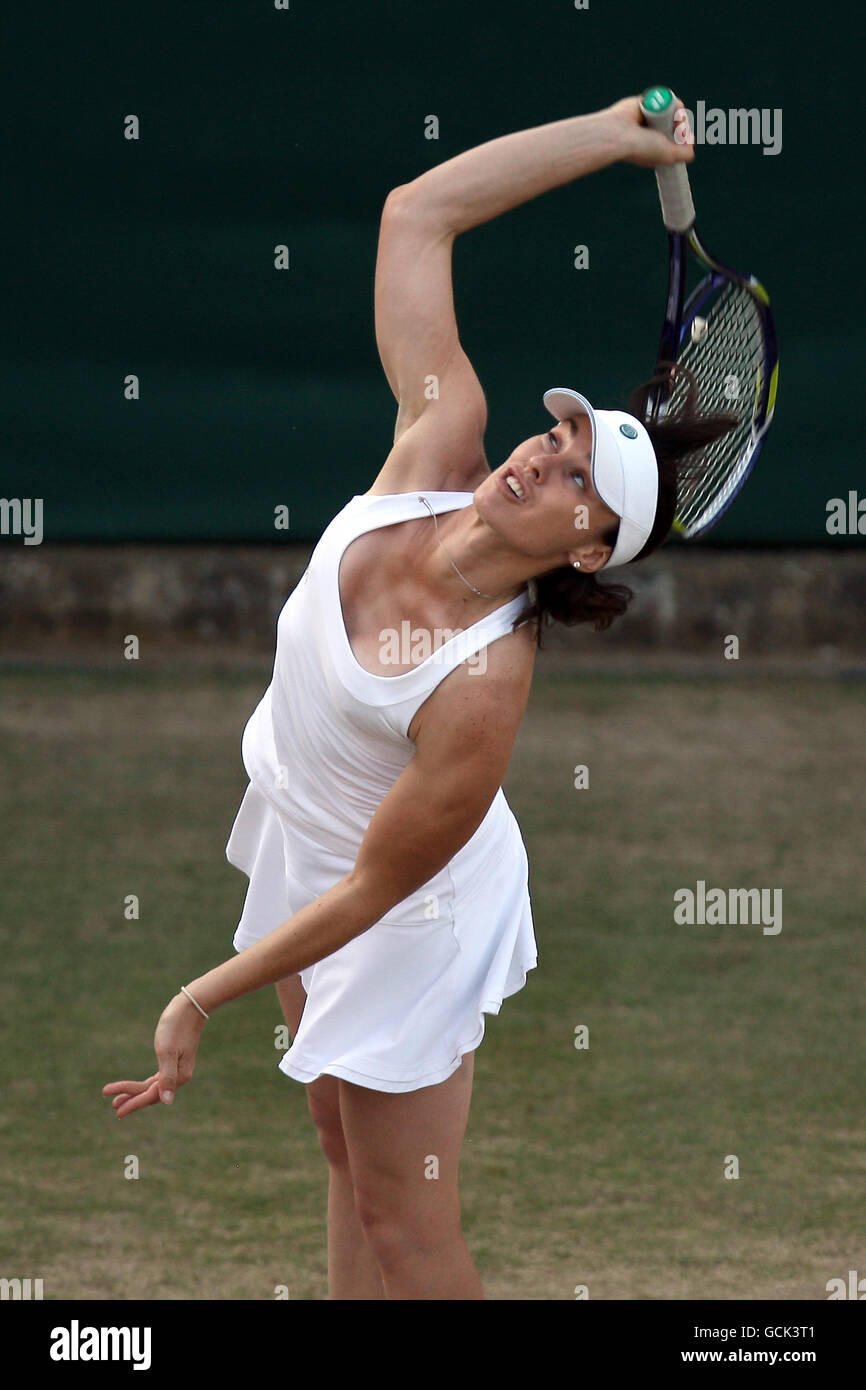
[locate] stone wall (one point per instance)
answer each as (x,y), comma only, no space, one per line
(687,599)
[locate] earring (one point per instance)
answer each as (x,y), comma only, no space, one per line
(576,564)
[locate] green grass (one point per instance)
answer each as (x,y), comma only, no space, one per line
(603,1166)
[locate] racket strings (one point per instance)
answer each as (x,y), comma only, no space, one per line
(727,357)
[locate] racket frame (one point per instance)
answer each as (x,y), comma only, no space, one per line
(680,312)
(765,402)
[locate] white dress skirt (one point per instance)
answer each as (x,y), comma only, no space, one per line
(397,1007)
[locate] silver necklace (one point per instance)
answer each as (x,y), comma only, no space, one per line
(448,557)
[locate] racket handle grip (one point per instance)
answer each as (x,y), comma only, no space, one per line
(675,195)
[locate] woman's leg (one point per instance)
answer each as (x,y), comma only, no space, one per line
(404,1153)
(353,1272)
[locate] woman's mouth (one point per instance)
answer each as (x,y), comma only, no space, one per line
(513,488)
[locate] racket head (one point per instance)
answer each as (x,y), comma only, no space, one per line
(726,337)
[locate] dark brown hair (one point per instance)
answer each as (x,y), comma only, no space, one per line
(564,595)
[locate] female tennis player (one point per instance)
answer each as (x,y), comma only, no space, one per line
(388,879)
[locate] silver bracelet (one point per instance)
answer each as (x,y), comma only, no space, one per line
(192,1001)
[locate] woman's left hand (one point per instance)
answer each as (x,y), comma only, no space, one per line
(644,146)
(176,1044)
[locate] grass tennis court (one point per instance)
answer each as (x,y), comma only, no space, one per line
(602,1166)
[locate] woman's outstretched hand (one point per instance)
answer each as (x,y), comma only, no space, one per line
(646,147)
(176,1044)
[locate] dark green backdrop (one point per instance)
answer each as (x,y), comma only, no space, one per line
(262,126)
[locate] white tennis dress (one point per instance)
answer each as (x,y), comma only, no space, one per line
(397,1007)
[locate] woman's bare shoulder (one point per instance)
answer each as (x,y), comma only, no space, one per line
(435,452)
(494,685)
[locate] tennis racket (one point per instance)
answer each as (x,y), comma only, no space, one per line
(724,333)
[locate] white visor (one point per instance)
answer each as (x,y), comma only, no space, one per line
(624,469)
